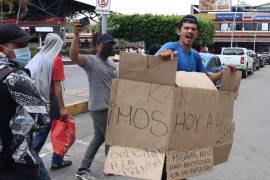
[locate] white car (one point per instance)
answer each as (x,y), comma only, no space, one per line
(239,57)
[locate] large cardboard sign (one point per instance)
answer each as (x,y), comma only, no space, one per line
(231,82)
(190,163)
(190,125)
(140,116)
(188,117)
(134,162)
(151,69)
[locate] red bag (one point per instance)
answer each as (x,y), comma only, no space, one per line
(63,135)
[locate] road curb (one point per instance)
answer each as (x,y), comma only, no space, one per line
(77,108)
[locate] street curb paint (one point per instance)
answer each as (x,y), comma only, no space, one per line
(77,108)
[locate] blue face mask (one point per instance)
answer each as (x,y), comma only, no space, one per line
(23,56)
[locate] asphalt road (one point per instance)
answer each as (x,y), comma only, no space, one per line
(75,85)
(250,155)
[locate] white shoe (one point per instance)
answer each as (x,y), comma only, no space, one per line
(85,175)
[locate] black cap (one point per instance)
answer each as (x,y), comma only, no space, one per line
(12,33)
(105,38)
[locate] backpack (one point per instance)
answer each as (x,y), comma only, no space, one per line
(5,72)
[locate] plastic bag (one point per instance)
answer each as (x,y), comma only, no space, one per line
(63,135)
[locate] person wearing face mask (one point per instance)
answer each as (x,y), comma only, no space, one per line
(22,110)
(100,72)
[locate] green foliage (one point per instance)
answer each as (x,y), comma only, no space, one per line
(33,51)
(206,33)
(120,43)
(155,28)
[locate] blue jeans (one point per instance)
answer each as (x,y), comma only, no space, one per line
(39,138)
(42,171)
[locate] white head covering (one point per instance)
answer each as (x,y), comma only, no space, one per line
(41,64)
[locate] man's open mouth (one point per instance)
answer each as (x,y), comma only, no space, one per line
(188,37)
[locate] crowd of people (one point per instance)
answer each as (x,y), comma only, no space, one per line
(31,94)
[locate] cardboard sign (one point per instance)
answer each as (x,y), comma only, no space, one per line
(111,113)
(190,125)
(221,153)
(149,111)
(187,164)
(231,81)
(134,163)
(141,117)
(144,68)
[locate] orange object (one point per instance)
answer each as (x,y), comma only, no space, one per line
(63,135)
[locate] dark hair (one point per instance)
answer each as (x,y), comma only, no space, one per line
(153,48)
(188,19)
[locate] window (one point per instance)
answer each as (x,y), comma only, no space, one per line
(218,27)
(249,27)
(224,27)
(239,26)
(233,52)
(218,63)
(258,27)
(212,63)
(265,27)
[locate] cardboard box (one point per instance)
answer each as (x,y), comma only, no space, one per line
(181,115)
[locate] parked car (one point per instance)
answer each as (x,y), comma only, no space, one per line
(237,56)
(262,61)
(264,56)
(256,61)
(212,64)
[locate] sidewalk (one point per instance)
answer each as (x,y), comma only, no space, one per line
(249,159)
(84,132)
(76,95)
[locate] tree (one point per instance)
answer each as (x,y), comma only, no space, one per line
(155,28)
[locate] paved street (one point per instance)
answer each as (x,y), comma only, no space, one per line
(76,84)
(249,159)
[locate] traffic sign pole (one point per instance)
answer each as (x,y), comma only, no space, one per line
(103,8)
(104,23)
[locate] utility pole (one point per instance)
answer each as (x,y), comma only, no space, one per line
(19,11)
(232,30)
(255,37)
(2,15)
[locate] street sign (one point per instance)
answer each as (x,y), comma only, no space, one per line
(103,6)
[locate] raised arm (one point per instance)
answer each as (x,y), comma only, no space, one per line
(73,51)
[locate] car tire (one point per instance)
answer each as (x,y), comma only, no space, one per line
(252,70)
(244,73)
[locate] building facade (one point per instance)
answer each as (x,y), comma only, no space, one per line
(251,28)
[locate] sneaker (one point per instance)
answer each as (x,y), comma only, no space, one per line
(60,165)
(85,174)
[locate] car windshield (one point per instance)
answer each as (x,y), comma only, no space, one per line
(233,52)
(204,59)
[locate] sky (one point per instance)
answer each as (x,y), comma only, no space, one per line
(167,7)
